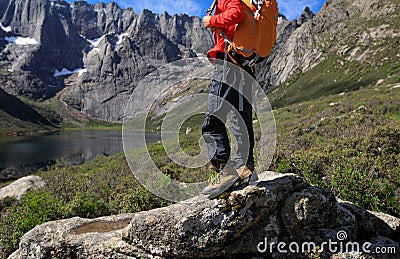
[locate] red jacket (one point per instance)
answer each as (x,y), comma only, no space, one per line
(228,13)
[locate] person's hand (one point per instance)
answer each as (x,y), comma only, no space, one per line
(206,21)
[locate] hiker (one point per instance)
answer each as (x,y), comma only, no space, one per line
(227,14)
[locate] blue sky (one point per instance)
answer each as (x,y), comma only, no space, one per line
(290,8)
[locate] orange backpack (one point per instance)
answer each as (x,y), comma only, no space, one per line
(256,33)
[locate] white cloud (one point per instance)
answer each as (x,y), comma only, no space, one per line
(160,6)
(293,8)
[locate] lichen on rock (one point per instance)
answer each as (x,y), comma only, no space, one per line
(281,208)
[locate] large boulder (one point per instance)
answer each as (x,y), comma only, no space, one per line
(246,223)
(18,188)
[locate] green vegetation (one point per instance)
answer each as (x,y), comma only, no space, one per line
(190,145)
(338,127)
(72,119)
(346,143)
(21,116)
(349,144)
(336,75)
(101,187)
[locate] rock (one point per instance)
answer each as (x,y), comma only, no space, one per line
(306,15)
(131,46)
(282,208)
(18,188)
(77,238)
(304,43)
(306,215)
(374,222)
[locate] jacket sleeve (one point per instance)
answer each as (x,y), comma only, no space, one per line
(231,14)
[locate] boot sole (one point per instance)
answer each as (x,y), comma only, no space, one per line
(224,189)
(238,184)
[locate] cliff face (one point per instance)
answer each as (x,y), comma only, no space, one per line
(96,53)
(338,29)
(282,208)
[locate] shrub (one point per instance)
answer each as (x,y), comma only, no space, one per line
(34,208)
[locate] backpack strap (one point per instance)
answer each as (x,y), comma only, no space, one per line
(212,7)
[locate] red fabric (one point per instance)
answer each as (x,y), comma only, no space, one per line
(228,13)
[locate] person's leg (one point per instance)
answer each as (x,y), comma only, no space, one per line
(241,121)
(242,129)
(214,131)
(216,138)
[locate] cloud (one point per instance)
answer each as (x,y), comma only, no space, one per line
(293,8)
(160,6)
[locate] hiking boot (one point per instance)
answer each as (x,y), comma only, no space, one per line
(247,174)
(213,168)
(225,179)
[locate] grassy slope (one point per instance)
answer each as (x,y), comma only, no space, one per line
(339,123)
(336,75)
(347,143)
(342,72)
(21,116)
(17,117)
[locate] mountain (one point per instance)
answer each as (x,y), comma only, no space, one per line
(96,54)
(345,46)
(91,57)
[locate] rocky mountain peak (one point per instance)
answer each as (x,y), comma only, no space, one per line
(306,42)
(56,36)
(147,18)
(102,41)
(306,15)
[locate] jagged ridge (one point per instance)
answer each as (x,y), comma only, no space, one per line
(113,49)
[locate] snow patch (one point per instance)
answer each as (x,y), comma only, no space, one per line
(81,71)
(6,29)
(95,42)
(120,39)
(21,40)
(65,72)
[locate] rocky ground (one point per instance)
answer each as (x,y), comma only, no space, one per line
(282,208)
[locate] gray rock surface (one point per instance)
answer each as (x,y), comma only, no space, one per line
(339,25)
(19,187)
(113,48)
(282,208)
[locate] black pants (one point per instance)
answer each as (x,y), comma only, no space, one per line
(224,100)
